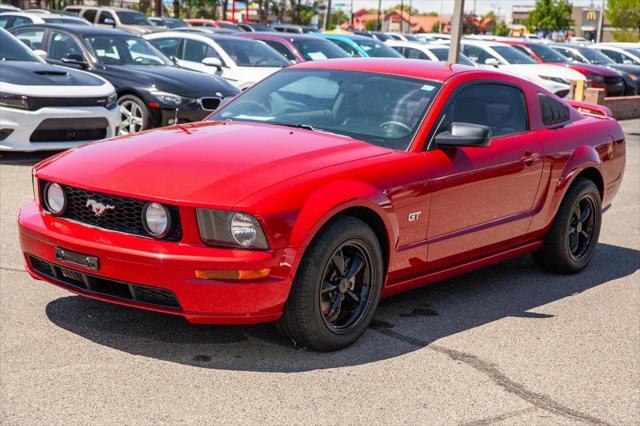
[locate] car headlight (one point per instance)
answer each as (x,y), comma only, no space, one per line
(595,78)
(156,219)
(554,79)
(111,101)
(170,99)
(55,199)
(14,101)
(230,229)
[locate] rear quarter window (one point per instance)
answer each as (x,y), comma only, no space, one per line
(553,111)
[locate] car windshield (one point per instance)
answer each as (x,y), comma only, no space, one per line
(442,53)
(384,110)
(376,49)
(251,53)
(65,21)
(546,53)
(512,56)
(227,26)
(633,51)
(593,56)
(11,49)
(317,49)
(125,50)
(132,18)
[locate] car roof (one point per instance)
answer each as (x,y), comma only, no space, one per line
(212,36)
(118,9)
(279,35)
(79,29)
(417,68)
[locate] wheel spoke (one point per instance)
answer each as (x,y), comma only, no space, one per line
(338,260)
(584,213)
(354,267)
(334,309)
(584,235)
(327,287)
(573,242)
(353,295)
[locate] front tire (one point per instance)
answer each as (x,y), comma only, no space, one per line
(135,115)
(336,289)
(570,243)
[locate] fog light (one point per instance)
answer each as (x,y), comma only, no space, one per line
(156,220)
(233,275)
(54,198)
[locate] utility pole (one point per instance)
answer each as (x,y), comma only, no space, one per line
(601,21)
(456,31)
(327,17)
(176,9)
(157,8)
(410,8)
(379,12)
(401,16)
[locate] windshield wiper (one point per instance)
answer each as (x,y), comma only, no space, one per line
(309,127)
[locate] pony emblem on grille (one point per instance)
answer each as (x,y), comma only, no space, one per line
(99,209)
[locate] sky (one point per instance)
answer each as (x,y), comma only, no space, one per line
(446,6)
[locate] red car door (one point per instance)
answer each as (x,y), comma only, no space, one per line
(482,197)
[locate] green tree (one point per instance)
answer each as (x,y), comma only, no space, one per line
(625,15)
(435,28)
(501,29)
(371,26)
(337,18)
(549,16)
(405,7)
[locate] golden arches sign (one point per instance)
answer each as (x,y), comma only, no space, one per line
(592,15)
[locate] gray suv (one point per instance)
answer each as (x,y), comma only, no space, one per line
(115,17)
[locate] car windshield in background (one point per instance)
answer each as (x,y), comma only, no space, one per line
(71,21)
(594,57)
(14,50)
(378,50)
(512,56)
(227,26)
(250,53)
(546,53)
(132,18)
(125,50)
(315,50)
(380,109)
(443,56)
(633,51)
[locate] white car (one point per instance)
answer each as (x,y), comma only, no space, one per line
(426,51)
(9,20)
(621,53)
(488,54)
(242,62)
(46,107)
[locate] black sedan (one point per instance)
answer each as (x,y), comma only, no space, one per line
(152,90)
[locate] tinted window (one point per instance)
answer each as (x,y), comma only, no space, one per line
(553,112)
(502,108)
(104,15)
(90,15)
(512,55)
(71,10)
(346,47)
(381,109)
(196,51)
(593,56)
(251,53)
(282,49)
(61,45)
(33,39)
(477,54)
(376,49)
(567,53)
(4,21)
(126,50)
(546,53)
(12,50)
(19,20)
(318,49)
(132,18)
(168,46)
(412,53)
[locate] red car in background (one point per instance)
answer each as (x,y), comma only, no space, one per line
(211,23)
(596,75)
(299,47)
(323,188)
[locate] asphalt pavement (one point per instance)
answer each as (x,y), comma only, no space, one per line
(508,344)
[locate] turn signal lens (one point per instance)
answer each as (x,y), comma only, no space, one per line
(233,275)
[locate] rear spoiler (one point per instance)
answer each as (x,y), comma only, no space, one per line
(590,108)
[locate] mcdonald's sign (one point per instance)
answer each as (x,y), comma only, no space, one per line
(592,15)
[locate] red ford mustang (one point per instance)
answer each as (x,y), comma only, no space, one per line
(323,188)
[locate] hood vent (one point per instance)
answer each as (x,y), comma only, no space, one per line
(52,73)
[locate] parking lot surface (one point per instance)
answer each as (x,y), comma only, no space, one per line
(508,344)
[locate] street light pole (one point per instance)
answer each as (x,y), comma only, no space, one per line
(379,11)
(601,21)
(456,31)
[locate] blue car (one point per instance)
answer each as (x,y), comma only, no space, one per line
(361,46)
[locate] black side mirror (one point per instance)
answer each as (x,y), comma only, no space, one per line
(75,59)
(464,134)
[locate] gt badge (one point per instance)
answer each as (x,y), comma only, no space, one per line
(413,216)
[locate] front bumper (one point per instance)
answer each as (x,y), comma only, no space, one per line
(23,124)
(158,266)
(185,114)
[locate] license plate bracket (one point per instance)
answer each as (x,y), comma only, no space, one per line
(77,259)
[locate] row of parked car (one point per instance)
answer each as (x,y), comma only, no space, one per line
(179,71)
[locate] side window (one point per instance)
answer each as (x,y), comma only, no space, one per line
(553,112)
(90,15)
(196,51)
(62,45)
(282,49)
(411,53)
(168,46)
(19,20)
(569,54)
(32,38)
(476,54)
(4,21)
(104,15)
(524,51)
(72,10)
(500,107)
(347,48)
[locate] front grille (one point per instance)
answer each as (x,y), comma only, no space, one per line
(125,217)
(104,286)
(35,103)
(68,135)
(613,80)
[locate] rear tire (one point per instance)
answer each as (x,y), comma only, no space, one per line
(336,289)
(570,243)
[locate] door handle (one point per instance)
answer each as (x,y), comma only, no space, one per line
(528,158)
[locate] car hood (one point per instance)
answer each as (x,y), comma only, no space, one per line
(627,68)
(173,80)
(590,69)
(214,164)
(536,70)
(141,29)
(24,73)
